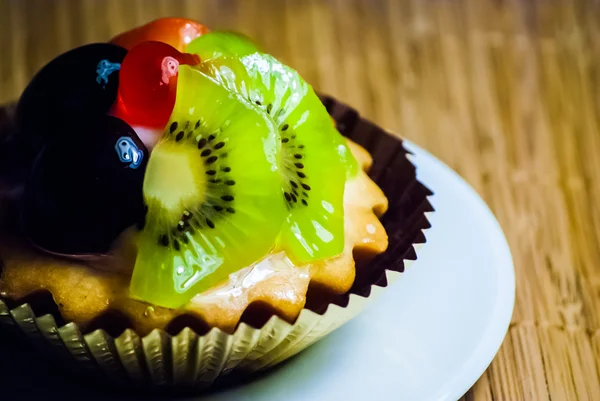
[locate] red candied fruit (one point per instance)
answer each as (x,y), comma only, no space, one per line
(148,84)
(177,32)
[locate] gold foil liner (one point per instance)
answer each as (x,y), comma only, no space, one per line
(192,361)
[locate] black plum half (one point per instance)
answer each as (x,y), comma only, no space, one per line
(85,187)
(81,82)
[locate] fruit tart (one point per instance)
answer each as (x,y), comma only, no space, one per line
(181,182)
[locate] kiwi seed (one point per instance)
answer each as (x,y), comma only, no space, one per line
(289,142)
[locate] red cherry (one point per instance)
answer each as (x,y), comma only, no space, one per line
(148,84)
(177,32)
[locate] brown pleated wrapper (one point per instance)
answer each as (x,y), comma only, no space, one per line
(187,360)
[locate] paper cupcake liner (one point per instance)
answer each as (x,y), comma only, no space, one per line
(197,361)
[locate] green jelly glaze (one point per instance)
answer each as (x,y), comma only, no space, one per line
(313,156)
(221,43)
(213,194)
(225,43)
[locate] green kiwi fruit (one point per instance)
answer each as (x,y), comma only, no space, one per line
(313,171)
(220,43)
(213,194)
(232,44)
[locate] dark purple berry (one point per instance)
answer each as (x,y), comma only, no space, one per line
(85,187)
(80,82)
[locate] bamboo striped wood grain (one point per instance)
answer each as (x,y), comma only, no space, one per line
(504,91)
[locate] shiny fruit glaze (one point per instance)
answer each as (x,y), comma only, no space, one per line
(85,187)
(148,82)
(80,82)
(177,32)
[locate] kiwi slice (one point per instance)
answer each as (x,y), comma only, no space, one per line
(312,169)
(221,43)
(225,43)
(212,191)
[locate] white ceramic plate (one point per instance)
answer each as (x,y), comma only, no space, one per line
(429,337)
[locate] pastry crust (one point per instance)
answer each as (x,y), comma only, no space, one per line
(84,293)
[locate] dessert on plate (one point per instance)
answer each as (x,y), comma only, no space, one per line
(177,181)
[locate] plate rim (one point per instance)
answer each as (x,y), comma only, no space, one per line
(494,334)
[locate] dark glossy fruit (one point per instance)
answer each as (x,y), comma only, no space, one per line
(177,32)
(85,187)
(80,82)
(148,82)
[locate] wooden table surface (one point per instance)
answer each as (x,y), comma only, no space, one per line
(505,92)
